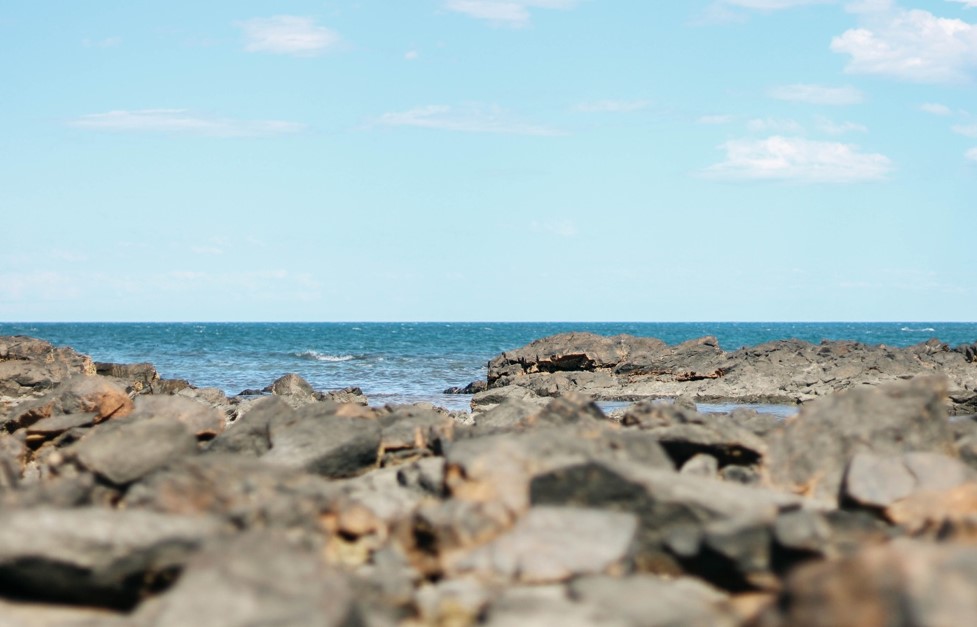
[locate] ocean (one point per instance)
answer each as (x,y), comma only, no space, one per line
(405,362)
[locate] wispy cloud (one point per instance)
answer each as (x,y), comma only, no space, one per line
(829,126)
(970,4)
(511,13)
(971,154)
(935,108)
(182,122)
(613,106)
(773,5)
(967,130)
(287,34)
(817,94)
(468,119)
(797,159)
(412,55)
(912,45)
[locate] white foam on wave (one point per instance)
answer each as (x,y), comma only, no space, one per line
(926,330)
(317,356)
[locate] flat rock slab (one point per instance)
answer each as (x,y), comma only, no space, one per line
(124,451)
(93,556)
(254,579)
(327,445)
(551,544)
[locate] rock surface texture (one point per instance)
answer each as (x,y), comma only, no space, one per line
(126,500)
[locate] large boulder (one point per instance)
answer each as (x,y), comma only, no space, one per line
(810,453)
(94,556)
(79,394)
(30,366)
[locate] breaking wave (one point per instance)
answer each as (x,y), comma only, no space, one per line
(317,356)
(926,330)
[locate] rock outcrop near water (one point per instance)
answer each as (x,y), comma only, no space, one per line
(782,372)
(128,500)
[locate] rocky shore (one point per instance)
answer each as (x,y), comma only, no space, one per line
(130,500)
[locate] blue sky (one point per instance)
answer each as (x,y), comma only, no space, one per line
(488,160)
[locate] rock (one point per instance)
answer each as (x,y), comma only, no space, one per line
(18,614)
(879,481)
(701,465)
(687,523)
(349,395)
(236,488)
(510,414)
(126,450)
(320,442)
(94,556)
(902,583)
(139,378)
(551,544)
(452,602)
(472,388)
(489,399)
(46,428)
(290,385)
(80,394)
(931,510)
(29,366)
(810,453)
(410,433)
(648,601)
(499,468)
(250,433)
(254,579)
(203,420)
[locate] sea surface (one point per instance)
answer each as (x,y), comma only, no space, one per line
(404,362)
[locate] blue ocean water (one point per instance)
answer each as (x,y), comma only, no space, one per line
(404,362)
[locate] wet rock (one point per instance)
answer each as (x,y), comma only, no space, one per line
(902,583)
(472,388)
(349,395)
(810,454)
(551,544)
(94,556)
(254,579)
(126,450)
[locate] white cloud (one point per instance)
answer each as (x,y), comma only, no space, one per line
(716,119)
(831,127)
(287,34)
(182,121)
(512,13)
(412,55)
(971,154)
(613,106)
(817,94)
(798,159)
(935,108)
(912,45)
(774,125)
(970,4)
(470,119)
(969,130)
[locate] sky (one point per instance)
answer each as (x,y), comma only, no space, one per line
(460,160)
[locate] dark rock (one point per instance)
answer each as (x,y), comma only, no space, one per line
(56,425)
(29,366)
(250,434)
(353,395)
(94,556)
(810,454)
(254,579)
(472,388)
(125,450)
(139,378)
(318,441)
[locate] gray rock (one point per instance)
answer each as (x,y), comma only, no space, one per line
(254,579)
(125,450)
(810,454)
(701,465)
(876,480)
(250,434)
(551,544)
(29,366)
(202,419)
(324,444)
(79,394)
(93,556)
